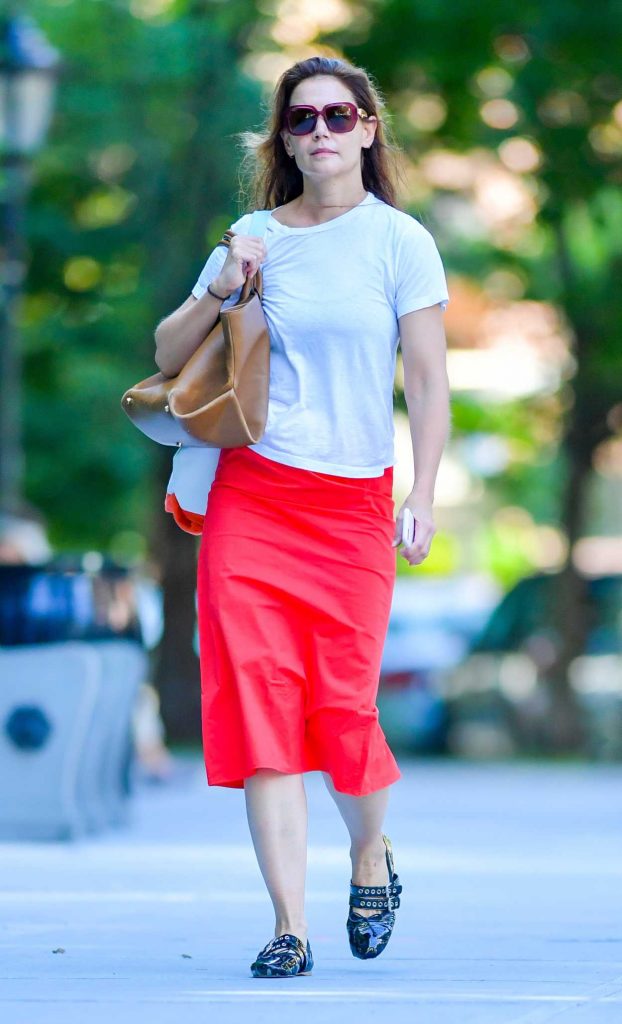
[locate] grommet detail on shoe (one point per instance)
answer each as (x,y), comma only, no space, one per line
(283,957)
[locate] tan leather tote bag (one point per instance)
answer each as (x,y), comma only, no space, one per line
(220,396)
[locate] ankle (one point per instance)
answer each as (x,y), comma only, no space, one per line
(289,926)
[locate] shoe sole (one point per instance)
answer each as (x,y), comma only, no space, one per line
(269,973)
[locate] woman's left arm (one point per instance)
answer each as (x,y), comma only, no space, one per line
(426,390)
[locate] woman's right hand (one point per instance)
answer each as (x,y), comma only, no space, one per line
(244,256)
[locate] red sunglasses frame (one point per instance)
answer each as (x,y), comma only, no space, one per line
(357,112)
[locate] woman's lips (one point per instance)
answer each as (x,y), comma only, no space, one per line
(322,152)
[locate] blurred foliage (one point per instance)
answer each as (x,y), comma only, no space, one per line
(554,73)
(443,559)
(135,184)
(505,551)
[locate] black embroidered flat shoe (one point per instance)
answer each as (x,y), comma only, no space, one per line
(369,935)
(283,957)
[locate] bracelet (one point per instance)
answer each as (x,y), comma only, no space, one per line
(216,295)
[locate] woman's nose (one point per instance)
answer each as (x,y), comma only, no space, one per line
(321,128)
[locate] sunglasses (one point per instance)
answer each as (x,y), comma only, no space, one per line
(338,117)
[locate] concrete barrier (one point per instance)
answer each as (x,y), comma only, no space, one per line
(65,736)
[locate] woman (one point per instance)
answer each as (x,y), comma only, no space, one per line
(297,564)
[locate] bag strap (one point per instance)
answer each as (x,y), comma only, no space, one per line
(257,226)
(259,221)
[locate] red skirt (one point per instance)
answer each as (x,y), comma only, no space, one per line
(295,579)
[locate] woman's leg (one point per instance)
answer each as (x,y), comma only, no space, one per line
(276,807)
(363,816)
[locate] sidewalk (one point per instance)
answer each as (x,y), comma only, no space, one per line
(512,909)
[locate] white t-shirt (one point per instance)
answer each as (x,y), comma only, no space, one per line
(332,296)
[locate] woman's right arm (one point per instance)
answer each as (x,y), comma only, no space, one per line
(179,335)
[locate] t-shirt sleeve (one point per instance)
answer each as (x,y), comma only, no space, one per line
(215,263)
(419,272)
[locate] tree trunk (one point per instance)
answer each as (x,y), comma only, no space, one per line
(199,181)
(585,428)
(564,731)
(176,669)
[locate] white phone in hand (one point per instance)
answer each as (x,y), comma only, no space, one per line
(408,527)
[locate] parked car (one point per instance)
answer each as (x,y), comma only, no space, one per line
(526,611)
(496,700)
(431,626)
(62,601)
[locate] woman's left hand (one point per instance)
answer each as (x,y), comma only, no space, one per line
(425,529)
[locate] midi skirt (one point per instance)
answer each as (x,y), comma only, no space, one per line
(295,579)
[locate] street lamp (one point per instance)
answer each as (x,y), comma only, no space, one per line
(29,67)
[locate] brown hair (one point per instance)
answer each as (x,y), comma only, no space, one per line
(276,179)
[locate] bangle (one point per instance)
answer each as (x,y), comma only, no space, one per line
(216,295)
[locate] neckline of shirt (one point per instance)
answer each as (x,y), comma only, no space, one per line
(325,225)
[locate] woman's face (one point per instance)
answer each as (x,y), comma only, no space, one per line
(322,153)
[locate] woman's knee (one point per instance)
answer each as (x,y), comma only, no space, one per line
(263,776)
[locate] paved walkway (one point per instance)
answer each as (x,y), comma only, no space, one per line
(512,909)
